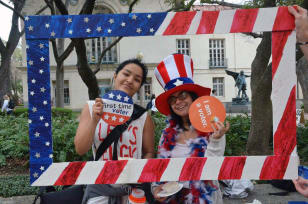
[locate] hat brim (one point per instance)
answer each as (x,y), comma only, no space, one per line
(161,102)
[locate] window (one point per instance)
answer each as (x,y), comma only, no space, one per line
(217,53)
(95,46)
(147,91)
(66,95)
(218,85)
(183,46)
(66,92)
(104,86)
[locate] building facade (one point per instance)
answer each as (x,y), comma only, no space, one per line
(212,55)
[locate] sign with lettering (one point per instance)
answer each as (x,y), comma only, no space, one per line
(117,107)
(204,111)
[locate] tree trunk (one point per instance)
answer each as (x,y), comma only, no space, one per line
(5,76)
(60,85)
(60,76)
(261,105)
(84,70)
(302,76)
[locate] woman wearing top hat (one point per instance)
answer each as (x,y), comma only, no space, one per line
(179,139)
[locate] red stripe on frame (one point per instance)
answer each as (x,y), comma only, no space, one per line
(208,22)
(279,40)
(161,68)
(192,67)
(70,174)
(285,135)
(179,61)
(274,167)
(244,20)
(153,170)
(180,23)
(111,172)
(192,169)
(232,168)
(284,20)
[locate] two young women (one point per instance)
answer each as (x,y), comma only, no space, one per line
(179,138)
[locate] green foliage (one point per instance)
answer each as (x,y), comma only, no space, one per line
(16,186)
(237,136)
(14,139)
(56,112)
(21,111)
(302,141)
(63,131)
(61,112)
(160,123)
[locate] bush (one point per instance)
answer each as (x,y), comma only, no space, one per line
(237,136)
(302,141)
(16,186)
(21,111)
(15,140)
(61,112)
(56,112)
(160,123)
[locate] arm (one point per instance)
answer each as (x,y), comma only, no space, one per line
(148,138)
(87,125)
(301,26)
(216,147)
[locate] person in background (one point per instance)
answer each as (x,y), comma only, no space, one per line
(6,105)
(301,27)
(214,92)
(150,104)
(153,108)
(179,139)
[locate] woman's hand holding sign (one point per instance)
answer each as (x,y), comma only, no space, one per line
(219,129)
(97,111)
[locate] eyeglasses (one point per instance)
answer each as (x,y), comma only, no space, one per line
(181,96)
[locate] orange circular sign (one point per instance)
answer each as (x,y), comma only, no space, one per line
(205,111)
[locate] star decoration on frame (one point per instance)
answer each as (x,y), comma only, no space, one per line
(37,134)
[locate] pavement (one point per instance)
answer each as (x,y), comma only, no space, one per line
(260,193)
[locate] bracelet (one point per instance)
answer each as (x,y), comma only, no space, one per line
(302,43)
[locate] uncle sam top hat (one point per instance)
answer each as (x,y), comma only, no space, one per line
(174,74)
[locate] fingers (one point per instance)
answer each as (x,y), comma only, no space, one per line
(297,11)
(302,181)
(220,130)
(293,11)
(158,189)
(98,108)
(301,185)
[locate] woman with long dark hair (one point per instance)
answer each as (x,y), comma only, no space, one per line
(179,139)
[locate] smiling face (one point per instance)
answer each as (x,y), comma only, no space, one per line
(129,79)
(180,102)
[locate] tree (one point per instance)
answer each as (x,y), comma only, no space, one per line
(7,50)
(60,55)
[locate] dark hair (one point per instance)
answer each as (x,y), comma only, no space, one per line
(137,62)
(177,119)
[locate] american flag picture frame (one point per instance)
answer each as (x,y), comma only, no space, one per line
(283,164)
